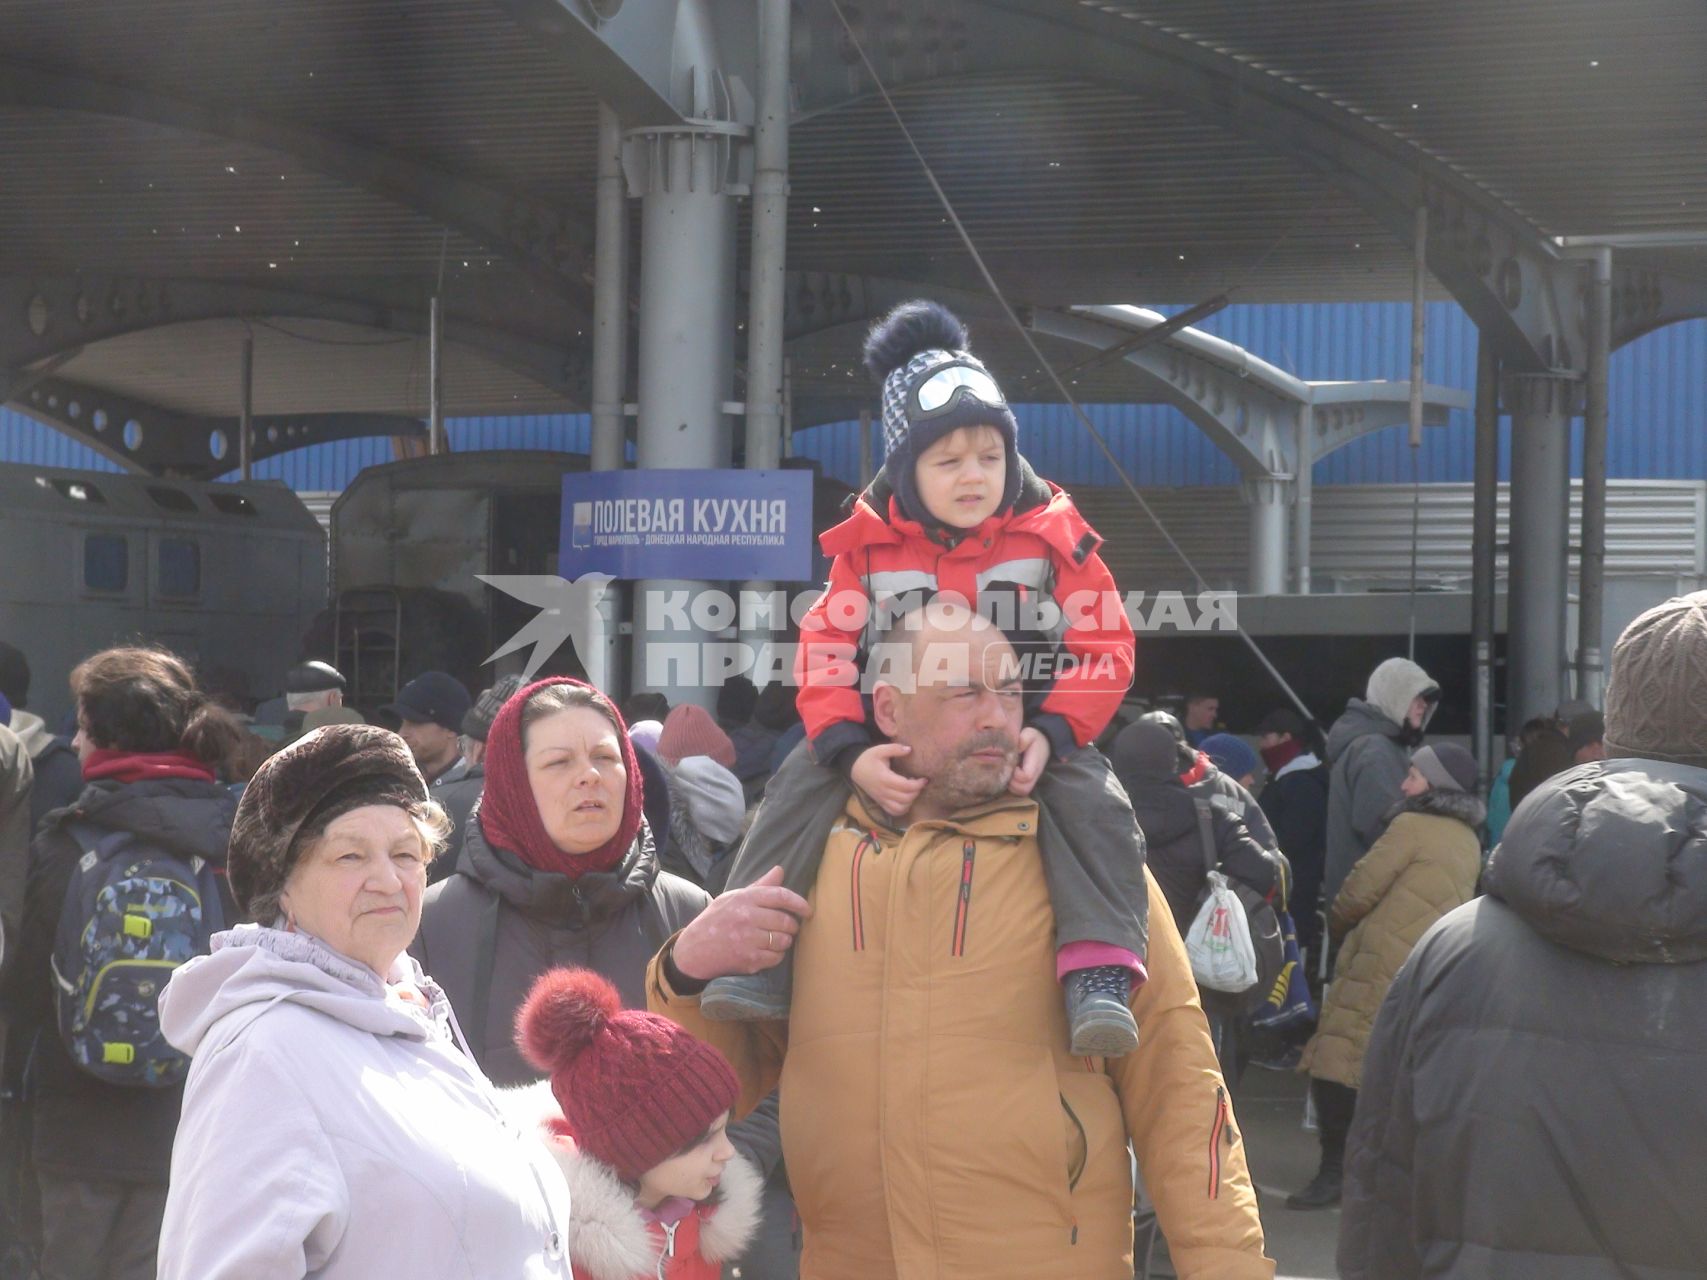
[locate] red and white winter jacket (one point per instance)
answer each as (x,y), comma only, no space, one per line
(609,1238)
(1043,550)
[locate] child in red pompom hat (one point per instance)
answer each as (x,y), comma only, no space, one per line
(655,1187)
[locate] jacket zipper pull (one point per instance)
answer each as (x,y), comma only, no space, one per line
(1216,1131)
(669,1247)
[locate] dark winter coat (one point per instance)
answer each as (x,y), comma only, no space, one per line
(497,918)
(1368,761)
(1533,1099)
(59,773)
(84,1127)
(1205,780)
(1549,754)
(1167,814)
(17,778)
(458,795)
(1296,804)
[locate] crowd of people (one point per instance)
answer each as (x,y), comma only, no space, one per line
(906,974)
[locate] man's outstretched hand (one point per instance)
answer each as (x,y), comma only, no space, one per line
(742,931)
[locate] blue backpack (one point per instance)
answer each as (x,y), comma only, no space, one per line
(133,913)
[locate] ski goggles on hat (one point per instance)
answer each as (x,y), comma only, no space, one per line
(944,389)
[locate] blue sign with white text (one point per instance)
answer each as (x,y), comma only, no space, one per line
(721,525)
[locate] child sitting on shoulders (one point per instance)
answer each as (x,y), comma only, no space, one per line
(957,512)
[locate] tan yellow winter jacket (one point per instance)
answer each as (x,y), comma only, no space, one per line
(1425,864)
(933,1124)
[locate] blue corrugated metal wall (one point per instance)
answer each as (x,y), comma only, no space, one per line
(319,467)
(1658,406)
(1658,409)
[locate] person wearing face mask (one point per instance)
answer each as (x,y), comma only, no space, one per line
(333,1126)
(1369,754)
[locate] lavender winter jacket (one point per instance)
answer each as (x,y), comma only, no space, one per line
(332,1129)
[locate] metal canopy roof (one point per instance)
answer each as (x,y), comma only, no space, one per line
(322,163)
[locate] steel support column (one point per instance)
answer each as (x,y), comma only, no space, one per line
(1266,498)
(610,369)
(1591,588)
(1485,492)
(767,275)
(1540,545)
(1303,507)
(684,178)
(610,298)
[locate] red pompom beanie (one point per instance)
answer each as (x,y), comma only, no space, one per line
(634,1087)
(508,816)
(690,731)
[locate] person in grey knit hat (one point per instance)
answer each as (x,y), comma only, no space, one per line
(1446,766)
(1566,1010)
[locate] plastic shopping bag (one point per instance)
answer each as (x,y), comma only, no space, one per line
(1219,941)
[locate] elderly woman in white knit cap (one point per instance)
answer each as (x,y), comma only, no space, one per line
(1424,865)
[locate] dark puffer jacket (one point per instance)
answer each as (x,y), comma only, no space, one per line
(1533,1099)
(1166,810)
(85,1127)
(458,796)
(495,925)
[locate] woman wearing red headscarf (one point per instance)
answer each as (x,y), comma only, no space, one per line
(557,869)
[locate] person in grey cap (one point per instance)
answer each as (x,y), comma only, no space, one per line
(1533,1096)
(1424,865)
(460,792)
(431,708)
(314,696)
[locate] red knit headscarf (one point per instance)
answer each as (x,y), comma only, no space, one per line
(509,818)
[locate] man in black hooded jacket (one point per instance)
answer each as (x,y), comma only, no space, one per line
(1533,1101)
